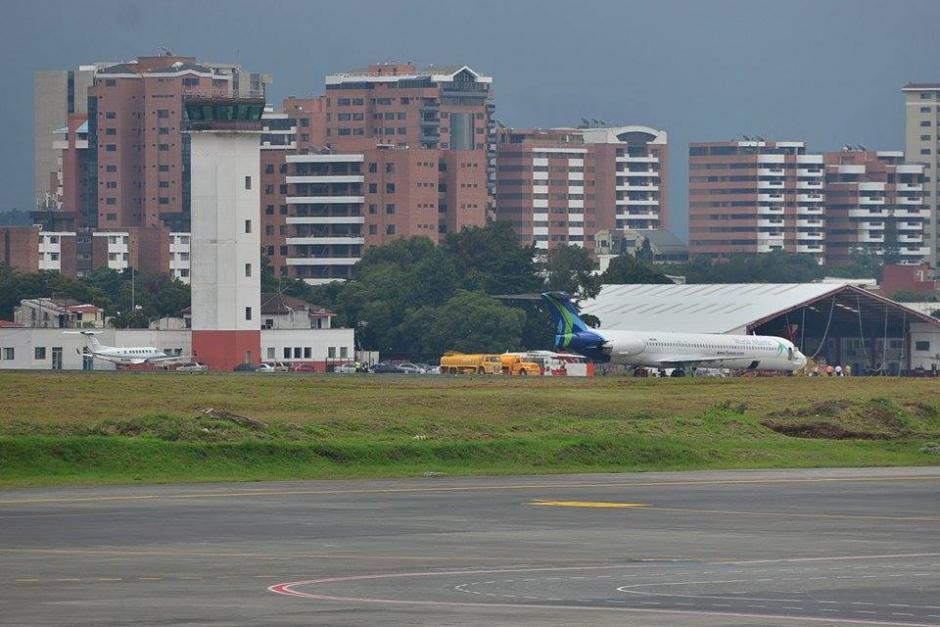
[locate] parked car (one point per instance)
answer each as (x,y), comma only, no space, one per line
(386,369)
(409,368)
(245,367)
(192,366)
(433,370)
(301,367)
(347,368)
(265,368)
(276,366)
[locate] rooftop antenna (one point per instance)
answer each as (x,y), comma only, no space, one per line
(166,51)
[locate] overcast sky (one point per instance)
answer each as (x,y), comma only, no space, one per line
(827,72)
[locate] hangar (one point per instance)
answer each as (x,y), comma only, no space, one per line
(832,323)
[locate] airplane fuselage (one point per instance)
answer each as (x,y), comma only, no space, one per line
(133,355)
(655,349)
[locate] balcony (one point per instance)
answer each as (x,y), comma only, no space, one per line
(872,226)
(809,224)
(810,248)
(322,261)
(912,213)
(810,198)
(809,184)
(910,226)
(870,238)
(910,201)
(638,216)
(817,210)
(904,187)
(326,239)
(626,159)
(770,197)
(770,171)
(637,203)
(778,223)
(868,200)
(325,220)
(921,251)
(638,173)
(770,185)
(766,210)
(811,236)
(638,188)
(804,172)
(325,200)
(867,213)
(326,178)
(910,239)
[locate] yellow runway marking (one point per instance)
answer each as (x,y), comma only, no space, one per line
(472,488)
(597,504)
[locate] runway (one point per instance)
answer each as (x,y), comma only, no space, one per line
(815,547)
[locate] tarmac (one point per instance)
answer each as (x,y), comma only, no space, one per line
(803,547)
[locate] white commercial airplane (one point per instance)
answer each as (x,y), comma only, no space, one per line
(122,355)
(661,349)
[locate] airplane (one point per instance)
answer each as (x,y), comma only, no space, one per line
(661,349)
(122,355)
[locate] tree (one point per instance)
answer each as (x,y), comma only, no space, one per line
(571,269)
(491,258)
(626,269)
(472,322)
(645,254)
(772,267)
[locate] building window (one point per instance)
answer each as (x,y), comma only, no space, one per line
(40,352)
(270,352)
(163,113)
(247,226)
(163,184)
(297,352)
(163,147)
(269,210)
(110,131)
(389,188)
(925,123)
(164,168)
(330,352)
(248,270)
(373,229)
(247,182)
(372,209)
(308,352)
(8,354)
(110,168)
(343,352)
(390,168)
(373,188)
(110,148)
(390,209)
(286,352)
(164,200)
(247,313)
(110,115)
(920,345)
(390,229)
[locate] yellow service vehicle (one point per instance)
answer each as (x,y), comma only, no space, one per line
(470,363)
(519,364)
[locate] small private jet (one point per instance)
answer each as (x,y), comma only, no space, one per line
(122,355)
(665,349)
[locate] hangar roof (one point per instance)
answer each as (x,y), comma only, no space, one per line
(707,308)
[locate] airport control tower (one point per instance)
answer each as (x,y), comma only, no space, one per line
(225,229)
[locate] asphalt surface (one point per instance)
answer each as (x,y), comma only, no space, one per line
(838,547)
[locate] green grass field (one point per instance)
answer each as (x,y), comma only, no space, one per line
(84,428)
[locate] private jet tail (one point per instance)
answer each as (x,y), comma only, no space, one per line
(91,335)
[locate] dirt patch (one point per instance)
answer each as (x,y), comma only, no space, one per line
(822,431)
(875,419)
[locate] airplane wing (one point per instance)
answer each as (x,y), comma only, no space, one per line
(165,358)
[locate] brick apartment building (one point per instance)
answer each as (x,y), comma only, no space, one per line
(756,196)
(875,200)
(561,186)
(388,151)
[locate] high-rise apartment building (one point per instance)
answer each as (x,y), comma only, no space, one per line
(874,202)
(57,95)
(922,145)
(755,196)
(389,151)
(561,186)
